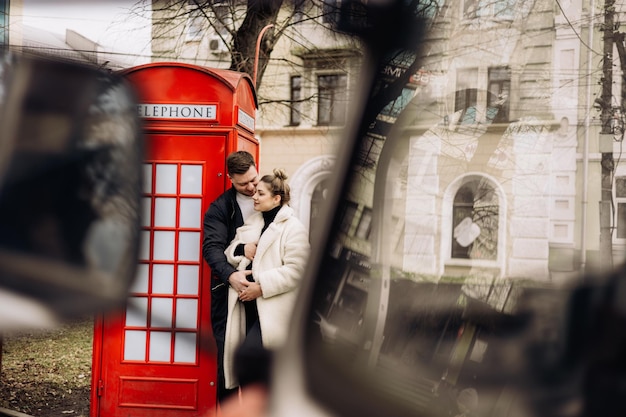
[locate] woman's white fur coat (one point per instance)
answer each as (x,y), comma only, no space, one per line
(281,254)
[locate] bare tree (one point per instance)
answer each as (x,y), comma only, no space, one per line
(236,23)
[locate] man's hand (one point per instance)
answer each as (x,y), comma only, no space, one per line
(238,280)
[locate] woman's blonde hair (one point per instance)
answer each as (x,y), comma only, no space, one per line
(277,184)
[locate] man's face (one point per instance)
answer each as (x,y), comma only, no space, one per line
(246,183)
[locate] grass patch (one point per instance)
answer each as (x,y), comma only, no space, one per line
(48,373)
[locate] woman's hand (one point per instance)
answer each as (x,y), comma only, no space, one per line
(249,250)
(252,291)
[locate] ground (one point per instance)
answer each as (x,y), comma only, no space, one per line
(48,373)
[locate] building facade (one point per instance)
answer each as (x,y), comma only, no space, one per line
(481,59)
(487,190)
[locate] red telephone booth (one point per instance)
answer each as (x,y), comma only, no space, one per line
(158,357)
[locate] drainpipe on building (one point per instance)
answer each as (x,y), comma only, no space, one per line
(256,52)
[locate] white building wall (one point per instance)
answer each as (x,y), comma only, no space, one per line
(421,220)
(530,246)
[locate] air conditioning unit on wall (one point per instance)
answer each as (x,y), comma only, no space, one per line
(217,45)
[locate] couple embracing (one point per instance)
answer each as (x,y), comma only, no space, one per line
(265,263)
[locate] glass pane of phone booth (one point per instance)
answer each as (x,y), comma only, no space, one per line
(162,315)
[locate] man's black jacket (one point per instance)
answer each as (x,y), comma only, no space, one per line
(221,221)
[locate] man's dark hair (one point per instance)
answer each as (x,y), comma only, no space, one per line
(239,162)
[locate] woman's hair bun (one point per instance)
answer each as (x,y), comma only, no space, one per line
(280,173)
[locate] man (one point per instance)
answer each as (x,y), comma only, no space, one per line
(221,220)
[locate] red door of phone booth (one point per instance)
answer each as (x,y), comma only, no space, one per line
(157,357)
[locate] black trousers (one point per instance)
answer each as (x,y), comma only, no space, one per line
(252,361)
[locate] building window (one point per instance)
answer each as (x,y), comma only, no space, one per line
(365,224)
(4,24)
(620,197)
(195,26)
(221,19)
(330,12)
(349,212)
(499,92)
(465,102)
(473,105)
(331,107)
(298,11)
(296,100)
(466,96)
(475,221)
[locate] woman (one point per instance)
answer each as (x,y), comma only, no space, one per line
(273,245)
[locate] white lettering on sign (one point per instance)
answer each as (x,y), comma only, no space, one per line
(245,120)
(178,111)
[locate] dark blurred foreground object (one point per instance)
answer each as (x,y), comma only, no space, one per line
(70,163)
(559,353)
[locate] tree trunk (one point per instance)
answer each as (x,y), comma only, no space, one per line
(259,14)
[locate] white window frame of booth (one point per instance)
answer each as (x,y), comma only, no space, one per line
(446,224)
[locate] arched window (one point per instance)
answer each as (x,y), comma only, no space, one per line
(475,216)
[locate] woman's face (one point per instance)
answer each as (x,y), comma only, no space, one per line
(263,198)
